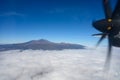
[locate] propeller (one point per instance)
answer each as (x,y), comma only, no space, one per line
(105,27)
(101,39)
(107,9)
(107,63)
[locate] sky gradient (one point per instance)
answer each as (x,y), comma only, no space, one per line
(55,20)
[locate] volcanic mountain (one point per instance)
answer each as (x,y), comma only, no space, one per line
(41,44)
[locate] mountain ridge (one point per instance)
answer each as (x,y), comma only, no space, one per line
(41,44)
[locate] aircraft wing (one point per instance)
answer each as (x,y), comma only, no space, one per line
(116,13)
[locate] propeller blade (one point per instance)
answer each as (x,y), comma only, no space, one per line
(108,59)
(116,11)
(101,39)
(100,34)
(107,9)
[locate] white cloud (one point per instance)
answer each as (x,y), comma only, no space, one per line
(58,65)
(56,10)
(12,14)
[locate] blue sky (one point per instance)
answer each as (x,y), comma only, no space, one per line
(55,20)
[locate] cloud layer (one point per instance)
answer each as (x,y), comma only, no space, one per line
(58,65)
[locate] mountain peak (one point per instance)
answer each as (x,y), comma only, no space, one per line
(43,40)
(40,41)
